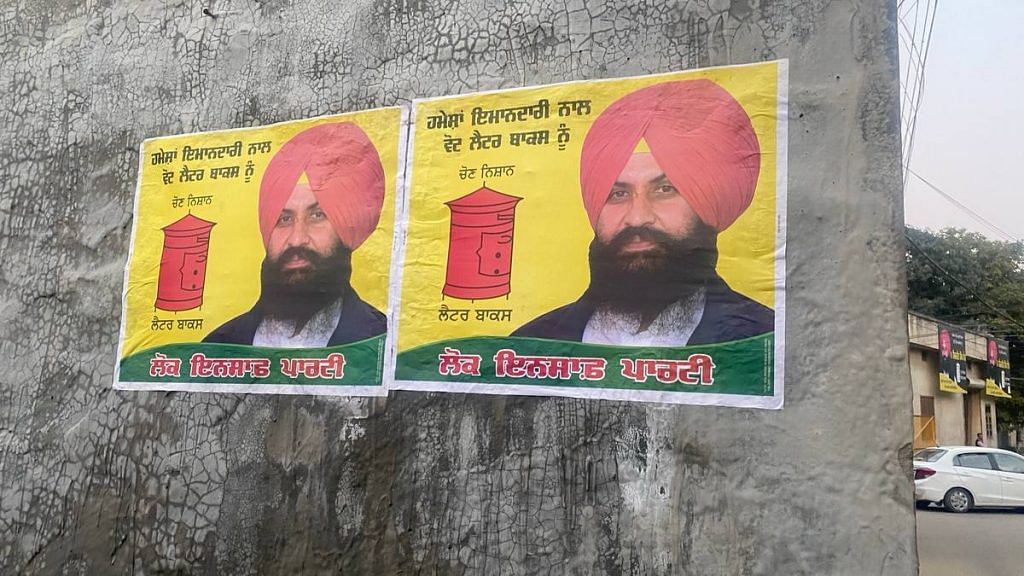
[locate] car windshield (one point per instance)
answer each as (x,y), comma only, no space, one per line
(929,455)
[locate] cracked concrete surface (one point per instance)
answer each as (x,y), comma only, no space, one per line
(94,481)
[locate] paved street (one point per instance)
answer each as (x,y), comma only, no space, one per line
(986,543)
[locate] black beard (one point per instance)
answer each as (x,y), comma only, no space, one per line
(297,295)
(648,282)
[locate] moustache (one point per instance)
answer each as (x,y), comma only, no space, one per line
(643,233)
(306,254)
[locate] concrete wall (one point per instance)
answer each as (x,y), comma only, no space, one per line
(96,481)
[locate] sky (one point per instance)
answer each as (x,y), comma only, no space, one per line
(970,124)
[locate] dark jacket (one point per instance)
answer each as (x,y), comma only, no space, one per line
(358,321)
(727,316)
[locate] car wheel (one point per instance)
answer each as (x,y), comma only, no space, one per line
(922,504)
(958,500)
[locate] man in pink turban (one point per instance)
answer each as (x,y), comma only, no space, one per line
(663,170)
(320,198)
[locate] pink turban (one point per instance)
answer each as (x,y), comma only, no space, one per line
(344,173)
(699,135)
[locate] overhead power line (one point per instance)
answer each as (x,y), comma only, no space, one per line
(915,33)
(978,217)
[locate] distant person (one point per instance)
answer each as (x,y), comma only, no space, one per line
(978,441)
(663,171)
(320,198)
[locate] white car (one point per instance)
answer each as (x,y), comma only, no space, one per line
(963,477)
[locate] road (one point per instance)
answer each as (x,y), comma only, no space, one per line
(986,543)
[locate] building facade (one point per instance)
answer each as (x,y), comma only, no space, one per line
(948,418)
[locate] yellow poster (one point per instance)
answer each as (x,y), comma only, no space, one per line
(260,258)
(619,239)
(946,384)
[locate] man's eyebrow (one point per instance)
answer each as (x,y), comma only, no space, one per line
(313,206)
(659,178)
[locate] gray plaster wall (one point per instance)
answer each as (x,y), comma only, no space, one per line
(94,481)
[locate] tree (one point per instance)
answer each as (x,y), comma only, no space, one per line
(981,288)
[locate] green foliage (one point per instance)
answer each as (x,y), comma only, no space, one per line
(994,272)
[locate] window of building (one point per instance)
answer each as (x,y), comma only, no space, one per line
(928,406)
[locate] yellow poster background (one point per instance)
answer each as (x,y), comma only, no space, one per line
(993,389)
(552,232)
(946,384)
(236,249)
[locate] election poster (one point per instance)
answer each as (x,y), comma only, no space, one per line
(260,258)
(997,379)
(620,239)
(952,359)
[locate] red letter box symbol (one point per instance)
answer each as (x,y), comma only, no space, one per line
(183,264)
(480,245)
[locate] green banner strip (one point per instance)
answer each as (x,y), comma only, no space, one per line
(744,367)
(363,364)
